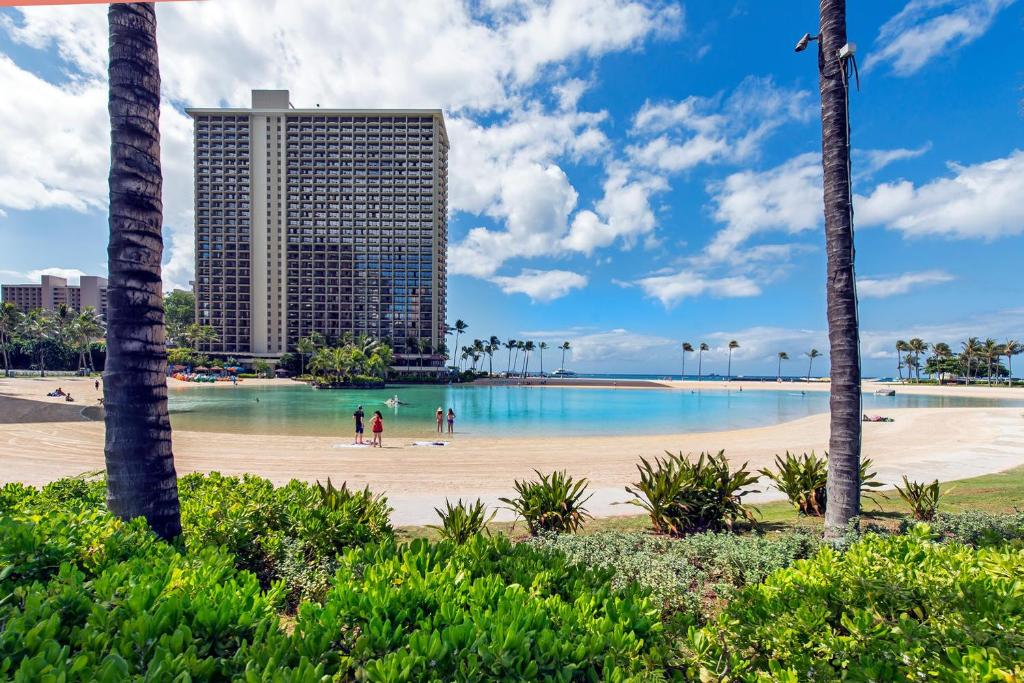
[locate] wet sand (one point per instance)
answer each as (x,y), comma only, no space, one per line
(42,439)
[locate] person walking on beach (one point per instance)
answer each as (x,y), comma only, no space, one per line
(451,421)
(440,419)
(358,416)
(377,427)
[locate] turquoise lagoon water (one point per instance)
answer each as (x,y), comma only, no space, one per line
(515,411)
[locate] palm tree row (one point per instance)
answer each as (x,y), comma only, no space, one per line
(977,358)
(733,344)
(64,329)
(519,352)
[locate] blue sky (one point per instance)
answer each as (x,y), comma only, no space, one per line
(625,174)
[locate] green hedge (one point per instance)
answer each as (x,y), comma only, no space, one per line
(85,597)
(889,608)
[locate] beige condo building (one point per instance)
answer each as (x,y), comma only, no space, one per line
(52,291)
(320,220)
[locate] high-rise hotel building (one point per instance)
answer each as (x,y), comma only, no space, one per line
(320,220)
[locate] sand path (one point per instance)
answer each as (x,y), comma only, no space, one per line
(43,439)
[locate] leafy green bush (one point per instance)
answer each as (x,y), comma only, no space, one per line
(462,521)
(803,480)
(975,527)
(889,608)
(552,504)
(684,497)
(483,610)
(88,598)
(923,499)
(690,577)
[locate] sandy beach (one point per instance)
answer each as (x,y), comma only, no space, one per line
(42,439)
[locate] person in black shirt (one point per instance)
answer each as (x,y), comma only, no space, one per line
(358,415)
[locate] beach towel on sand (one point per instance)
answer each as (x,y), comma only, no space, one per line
(351,445)
(429,443)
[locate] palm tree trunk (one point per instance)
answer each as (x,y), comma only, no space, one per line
(508,364)
(141,480)
(682,370)
(899,364)
(778,375)
(700,364)
(563,359)
(728,371)
(542,362)
(843,487)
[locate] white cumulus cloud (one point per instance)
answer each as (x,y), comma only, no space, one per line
(925,30)
(883,287)
(979,201)
(541,285)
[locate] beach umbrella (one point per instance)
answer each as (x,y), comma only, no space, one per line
(201,369)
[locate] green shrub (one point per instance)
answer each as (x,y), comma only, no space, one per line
(889,608)
(975,527)
(462,521)
(803,480)
(684,497)
(552,504)
(483,610)
(145,611)
(923,499)
(16,496)
(690,577)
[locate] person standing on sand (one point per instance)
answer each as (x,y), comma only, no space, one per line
(451,421)
(97,385)
(358,415)
(377,427)
(440,419)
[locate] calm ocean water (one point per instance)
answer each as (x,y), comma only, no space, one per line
(515,411)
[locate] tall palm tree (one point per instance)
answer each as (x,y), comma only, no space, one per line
(843,487)
(565,347)
(732,345)
(542,346)
(970,350)
(687,348)
(782,356)
(305,347)
(460,327)
(917,346)
(901,346)
(520,348)
(37,328)
(700,360)
(811,355)
(10,320)
(1011,348)
(510,344)
(141,480)
(479,349)
(528,348)
(493,344)
(87,328)
(991,349)
(937,363)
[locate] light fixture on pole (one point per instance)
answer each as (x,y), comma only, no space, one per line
(801,44)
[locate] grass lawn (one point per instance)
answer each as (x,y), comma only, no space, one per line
(1002,492)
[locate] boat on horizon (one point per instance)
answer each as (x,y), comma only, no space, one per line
(562,372)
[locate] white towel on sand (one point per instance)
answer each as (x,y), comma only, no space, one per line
(429,443)
(351,445)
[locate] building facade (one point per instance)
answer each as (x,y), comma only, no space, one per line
(52,291)
(320,220)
